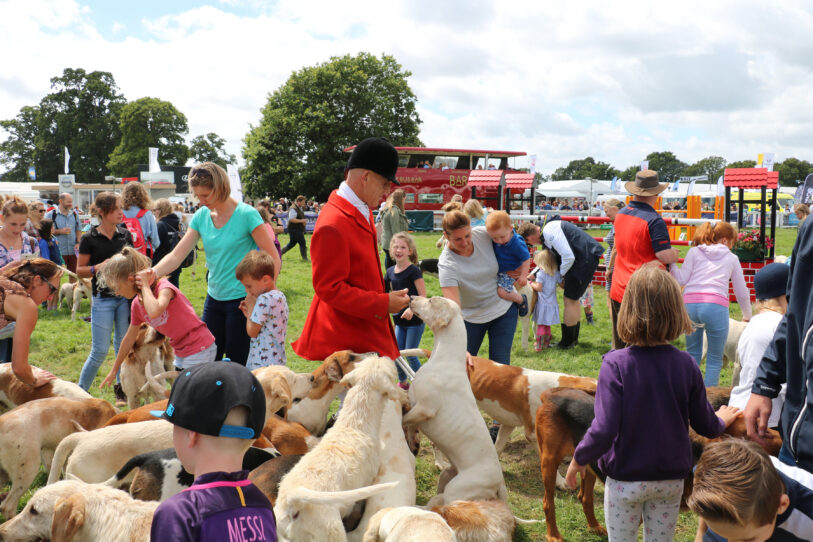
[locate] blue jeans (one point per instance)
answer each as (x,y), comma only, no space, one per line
(500,336)
(408,337)
(108,315)
(228,325)
(715,320)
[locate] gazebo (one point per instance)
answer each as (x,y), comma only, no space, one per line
(753,179)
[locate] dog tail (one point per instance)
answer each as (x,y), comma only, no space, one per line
(78,426)
(528,521)
(416,352)
(153,381)
(63,450)
(312,496)
(118,479)
(68,272)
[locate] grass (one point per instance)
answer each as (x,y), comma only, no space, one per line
(61,346)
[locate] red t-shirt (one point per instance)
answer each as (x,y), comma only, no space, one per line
(640,232)
(187,333)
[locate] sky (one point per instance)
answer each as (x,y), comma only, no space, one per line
(612,80)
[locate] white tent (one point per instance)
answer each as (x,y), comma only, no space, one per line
(584,188)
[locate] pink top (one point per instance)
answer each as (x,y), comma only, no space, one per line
(706,273)
(187,333)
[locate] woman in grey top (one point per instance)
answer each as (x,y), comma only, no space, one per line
(467,269)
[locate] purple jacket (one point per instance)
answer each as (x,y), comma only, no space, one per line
(218,507)
(646,399)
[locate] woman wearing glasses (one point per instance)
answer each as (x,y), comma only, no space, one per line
(109,313)
(229,231)
(23,287)
(36,212)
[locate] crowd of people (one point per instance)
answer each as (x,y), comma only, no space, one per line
(649,392)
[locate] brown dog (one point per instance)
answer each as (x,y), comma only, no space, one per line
(14,392)
(151,355)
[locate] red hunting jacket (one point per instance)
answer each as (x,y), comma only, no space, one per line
(349,307)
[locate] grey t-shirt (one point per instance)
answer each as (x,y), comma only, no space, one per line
(475,277)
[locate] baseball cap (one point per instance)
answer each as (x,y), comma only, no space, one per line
(376,154)
(203,395)
(771,281)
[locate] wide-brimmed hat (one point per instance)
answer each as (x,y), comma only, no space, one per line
(646,184)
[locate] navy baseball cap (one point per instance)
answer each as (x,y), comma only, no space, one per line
(376,154)
(771,281)
(203,395)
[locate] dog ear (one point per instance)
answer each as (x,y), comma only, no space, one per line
(334,371)
(69,516)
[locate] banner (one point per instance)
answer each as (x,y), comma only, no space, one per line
(32,173)
(532,164)
(760,159)
(234,181)
(154,166)
(720,187)
(675,185)
(690,190)
(67,159)
(613,184)
(767,161)
(807,191)
(644,164)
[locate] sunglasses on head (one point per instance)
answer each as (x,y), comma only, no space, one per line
(51,287)
(200,172)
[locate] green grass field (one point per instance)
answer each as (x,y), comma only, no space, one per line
(62,346)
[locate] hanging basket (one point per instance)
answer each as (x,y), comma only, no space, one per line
(749,254)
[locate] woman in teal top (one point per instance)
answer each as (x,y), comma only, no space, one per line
(229,231)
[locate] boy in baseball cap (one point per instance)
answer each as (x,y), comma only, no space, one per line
(218,409)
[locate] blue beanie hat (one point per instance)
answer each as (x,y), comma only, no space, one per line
(771,281)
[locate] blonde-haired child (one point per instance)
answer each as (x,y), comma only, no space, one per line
(512,255)
(647,395)
(543,281)
(160,304)
(406,274)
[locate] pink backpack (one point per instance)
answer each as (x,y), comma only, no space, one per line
(134,226)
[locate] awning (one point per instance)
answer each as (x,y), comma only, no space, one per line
(519,181)
(485,177)
(751,178)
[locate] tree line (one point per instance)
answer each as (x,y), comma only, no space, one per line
(296,147)
(792,171)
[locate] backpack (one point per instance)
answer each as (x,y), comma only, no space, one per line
(134,227)
(175,237)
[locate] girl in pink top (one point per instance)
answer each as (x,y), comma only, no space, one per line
(161,305)
(706,272)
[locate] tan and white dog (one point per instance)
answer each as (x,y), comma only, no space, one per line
(13,392)
(325,484)
(151,355)
(95,456)
(408,523)
(74,292)
(31,433)
(73,511)
(444,408)
(283,388)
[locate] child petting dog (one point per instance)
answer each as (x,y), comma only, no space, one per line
(741,493)
(647,396)
(217,410)
(265,309)
(160,304)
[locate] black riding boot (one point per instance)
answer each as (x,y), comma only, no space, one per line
(568,337)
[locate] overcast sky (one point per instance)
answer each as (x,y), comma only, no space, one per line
(612,80)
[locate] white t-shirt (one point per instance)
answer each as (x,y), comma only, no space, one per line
(475,277)
(754,340)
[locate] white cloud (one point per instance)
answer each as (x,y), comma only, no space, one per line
(606,79)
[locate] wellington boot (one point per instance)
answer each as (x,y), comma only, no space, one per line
(568,337)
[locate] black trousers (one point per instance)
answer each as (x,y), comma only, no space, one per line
(297,237)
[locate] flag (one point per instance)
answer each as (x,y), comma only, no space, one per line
(675,185)
(154,166)
(32,173)
(644,164)
(532,164)
(67,159)
(690,190)
(760,159)
(613,184)
(234,181)
(768,161)
(720,187)
(807,191)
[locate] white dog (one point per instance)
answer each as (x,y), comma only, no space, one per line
(408,523)
(326,483)
(78,512)
(444,408)
(95,456)
(74,292)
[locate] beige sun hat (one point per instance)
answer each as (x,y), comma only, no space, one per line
(646,184)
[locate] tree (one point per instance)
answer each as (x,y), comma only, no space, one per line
(81,113)
(742,164)
(712,166)
(17,151)
(667,165)
(298,145)
(211,148)
(149,122)
(628,174)
(587,168)
(793,171)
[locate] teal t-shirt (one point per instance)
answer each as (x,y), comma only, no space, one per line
(225,248)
